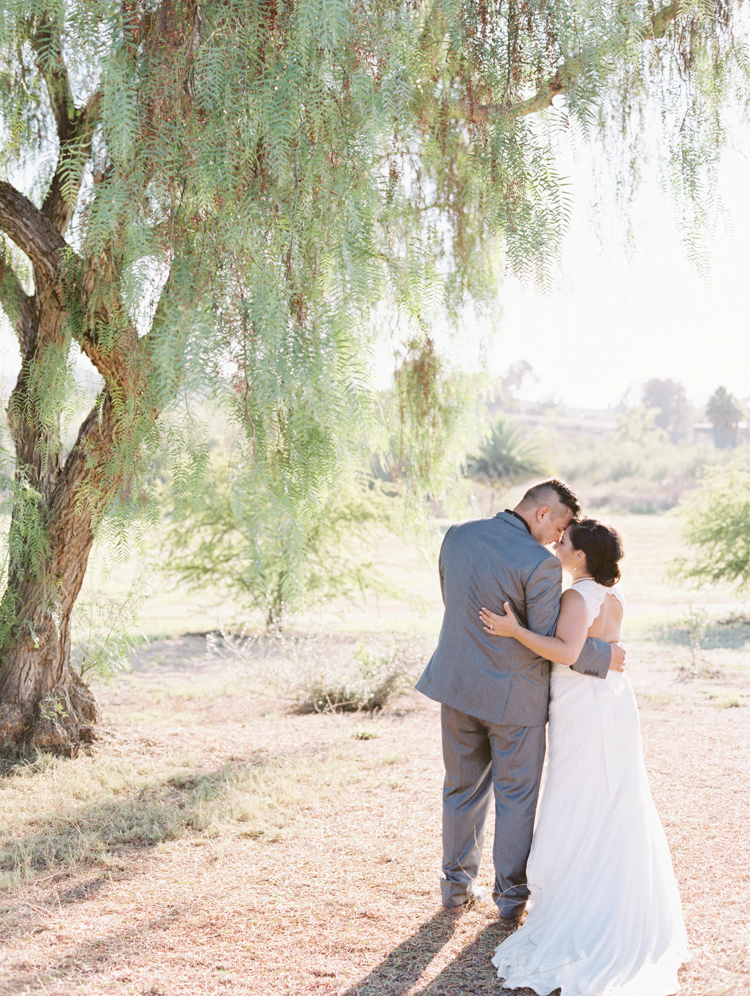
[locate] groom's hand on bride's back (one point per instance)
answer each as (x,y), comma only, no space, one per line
(617,657)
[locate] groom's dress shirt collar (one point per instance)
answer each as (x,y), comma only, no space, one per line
(520,519)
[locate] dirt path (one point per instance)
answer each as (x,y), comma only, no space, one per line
(231,847)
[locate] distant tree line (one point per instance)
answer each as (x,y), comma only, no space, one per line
(665,398)
(675,413)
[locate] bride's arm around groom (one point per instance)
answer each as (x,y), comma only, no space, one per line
(494,692)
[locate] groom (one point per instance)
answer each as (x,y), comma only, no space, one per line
(494,692)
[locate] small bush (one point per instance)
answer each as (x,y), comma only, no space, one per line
(715,526)
(365,733)
(375,680)
(322,672)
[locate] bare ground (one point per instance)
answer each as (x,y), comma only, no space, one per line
(286,854)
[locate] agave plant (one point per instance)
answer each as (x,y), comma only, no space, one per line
(505,458)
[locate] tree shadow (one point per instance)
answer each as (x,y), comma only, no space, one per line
(114,826)
(100,952)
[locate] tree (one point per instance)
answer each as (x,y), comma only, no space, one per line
(724,412)
(674,411)
(241,538)
(637,427)
(218,192)
(716,525)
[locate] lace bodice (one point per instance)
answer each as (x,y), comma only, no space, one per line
(594,594)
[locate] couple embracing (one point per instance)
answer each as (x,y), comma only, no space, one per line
(604,914)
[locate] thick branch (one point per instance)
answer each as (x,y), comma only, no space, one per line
(47,45)
(75,127)
(32,232)
(75,152)
(115,354)
(85,465)
(44,245)
(14,300)
(565,77)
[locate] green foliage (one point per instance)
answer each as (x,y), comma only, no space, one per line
(105,630)
(716,526)
(258,547)
(638,426)
(505,458)
(636,468)
(28,544)
(282,169)
(238,186)
(431,403)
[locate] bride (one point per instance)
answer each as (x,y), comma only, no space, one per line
(604,912)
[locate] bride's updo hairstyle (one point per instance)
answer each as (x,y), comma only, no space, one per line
(602,546)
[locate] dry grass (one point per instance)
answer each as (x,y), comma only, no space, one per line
(238,848)
(215,842)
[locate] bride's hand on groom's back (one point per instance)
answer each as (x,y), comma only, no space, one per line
(498,625)
(617,658)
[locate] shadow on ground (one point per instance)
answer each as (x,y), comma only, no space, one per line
(469,974)
(112,824)
(99,953)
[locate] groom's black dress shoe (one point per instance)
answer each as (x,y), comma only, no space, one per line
(478,895)
(512,921)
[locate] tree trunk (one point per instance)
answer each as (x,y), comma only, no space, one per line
(43,701)
(59,498)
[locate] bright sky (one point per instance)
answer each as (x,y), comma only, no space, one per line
(612,321)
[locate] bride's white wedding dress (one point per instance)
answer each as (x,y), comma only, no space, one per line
(605,917)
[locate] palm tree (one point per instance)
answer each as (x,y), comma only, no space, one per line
(724,412)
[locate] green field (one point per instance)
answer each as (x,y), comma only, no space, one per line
(651,543)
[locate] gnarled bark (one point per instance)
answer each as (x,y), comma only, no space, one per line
(42,700)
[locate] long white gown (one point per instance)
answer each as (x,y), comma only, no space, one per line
(605,916)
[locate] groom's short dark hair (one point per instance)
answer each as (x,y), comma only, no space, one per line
(553,491)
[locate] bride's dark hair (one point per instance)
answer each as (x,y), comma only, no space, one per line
(603,548)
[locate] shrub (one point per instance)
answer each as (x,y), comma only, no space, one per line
(246,541)
(716,524)
(376,679)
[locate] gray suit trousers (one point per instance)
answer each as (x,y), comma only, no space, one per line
(480,756)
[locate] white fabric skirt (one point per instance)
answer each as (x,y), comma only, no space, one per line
(605,916)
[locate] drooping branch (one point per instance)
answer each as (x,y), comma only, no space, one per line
(47,46)
(75,127)
(565,77)
(656,26)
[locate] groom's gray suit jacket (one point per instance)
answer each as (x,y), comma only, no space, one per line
(486,562)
